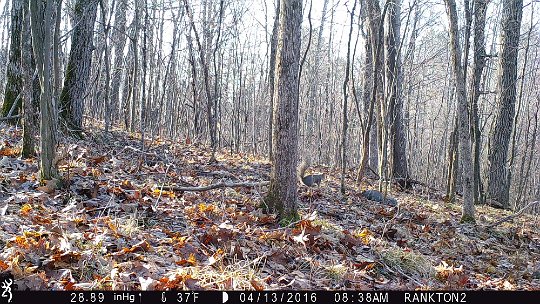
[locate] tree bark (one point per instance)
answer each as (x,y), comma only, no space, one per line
(14,73)
(119,40)
(345,97)
(464,145)
(498,185)
(367,85)
(78,67)
(30,110)
(40,22)
(105,25)
(271,74)
(282,196)
(480,7)
(375,21)
(397,138)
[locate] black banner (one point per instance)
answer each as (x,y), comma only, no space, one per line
(278,297)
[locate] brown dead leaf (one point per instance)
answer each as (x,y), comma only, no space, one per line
(257,285)
(3,265)
(141,246)
(49,187)
(444,271)
(191,261)
(8,151)
(367,265)
(99,159)
(41,220)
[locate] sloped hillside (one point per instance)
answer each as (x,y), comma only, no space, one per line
(116,222)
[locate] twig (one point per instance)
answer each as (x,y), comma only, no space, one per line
(512,216)
(161,190)
(401,273)
(10,117)
(215,186)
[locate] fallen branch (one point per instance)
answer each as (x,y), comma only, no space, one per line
(10,117)
(415,182)
(216,186)
(398,271)
(512,216)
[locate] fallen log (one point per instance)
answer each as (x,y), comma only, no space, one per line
(512,216)
(215,186)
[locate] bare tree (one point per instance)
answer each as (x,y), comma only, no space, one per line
(210,100)
(498,185)
(464,138)
(119,43)
(376,30)
(393,84)
(282,195)
(12,94)
(42,34)
(271,73)
(30,109)
(78,67)
(480,7)
(345,97)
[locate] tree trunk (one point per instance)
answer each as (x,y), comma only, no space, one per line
(464,145)
(345,97)
(375,22)
(366,90)
(40,22)
(106,26)
(78,67)
(452,159)
(282,195)
(498,186)
(119,40)
(30,111)
(474,91)
(210,103)
(271,76)
(14,74)
(395,102)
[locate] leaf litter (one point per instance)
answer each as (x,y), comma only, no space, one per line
(111,225)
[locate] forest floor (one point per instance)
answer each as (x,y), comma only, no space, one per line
(112,225)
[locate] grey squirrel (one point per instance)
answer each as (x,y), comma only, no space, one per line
(308,180)
(374,195)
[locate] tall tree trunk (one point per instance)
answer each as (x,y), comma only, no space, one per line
(78,67)
(345,97)
(375,23)
(474,91)
(30,110)
(210,103)
(144,94)
(395,102)
(40,22)
(367,86)
(105,25)
(119,40)
(56,51)
(464,145)
(282,196)
(14,74)
(498,186)
(271,77)
(453,159)
(313,99)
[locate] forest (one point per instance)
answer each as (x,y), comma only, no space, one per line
(270,144)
